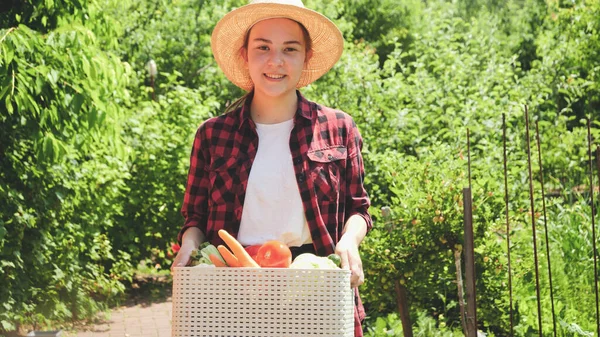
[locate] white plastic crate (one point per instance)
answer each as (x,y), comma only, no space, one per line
(265,302)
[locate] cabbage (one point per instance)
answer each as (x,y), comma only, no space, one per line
(311,261)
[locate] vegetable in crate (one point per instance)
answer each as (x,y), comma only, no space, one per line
(274,254)
(238,254)
(203,253)
(252,250)
(311,261)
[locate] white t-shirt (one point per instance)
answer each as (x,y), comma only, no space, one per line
(272,207)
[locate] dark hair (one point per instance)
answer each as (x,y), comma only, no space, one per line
(308,46)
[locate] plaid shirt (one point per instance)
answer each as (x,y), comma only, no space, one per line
(326,152)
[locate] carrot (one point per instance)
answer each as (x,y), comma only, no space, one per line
(238,250)
(216,261)
(231,260)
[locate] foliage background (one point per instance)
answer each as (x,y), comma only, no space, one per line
(93,170)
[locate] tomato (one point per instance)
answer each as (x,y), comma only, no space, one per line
(274,254)
(252,250)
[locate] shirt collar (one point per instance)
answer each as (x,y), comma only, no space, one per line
(306,108)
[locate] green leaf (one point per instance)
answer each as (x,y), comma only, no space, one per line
(5,263)
(8,104)
(2,232)
(39,85)
(93,73)
(7,326)
(8,53)
(92,117)
(53,76)
(33,104)
(6,86)
(85,65)
(76,103)
(48,148)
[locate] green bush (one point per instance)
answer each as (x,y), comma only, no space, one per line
(176,35)
(416,246)
(62,166)
(425,326)
(159,137)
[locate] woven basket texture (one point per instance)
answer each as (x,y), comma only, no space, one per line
(264,302)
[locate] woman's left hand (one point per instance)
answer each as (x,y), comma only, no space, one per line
(347,249)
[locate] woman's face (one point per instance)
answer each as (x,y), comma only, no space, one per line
(275,56)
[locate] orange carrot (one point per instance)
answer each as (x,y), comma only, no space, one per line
(216,261)
(238,250)
(231,260)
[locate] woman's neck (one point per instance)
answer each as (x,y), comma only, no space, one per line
(270,110)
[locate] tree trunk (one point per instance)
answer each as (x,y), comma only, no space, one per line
(402,302)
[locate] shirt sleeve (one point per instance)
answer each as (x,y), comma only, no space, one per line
(195,205)
(357,199)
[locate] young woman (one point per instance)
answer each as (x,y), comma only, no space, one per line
(277,166)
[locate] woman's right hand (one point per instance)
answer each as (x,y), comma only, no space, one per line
(183,257)
(191,240)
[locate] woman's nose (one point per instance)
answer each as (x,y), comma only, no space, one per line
(276,59)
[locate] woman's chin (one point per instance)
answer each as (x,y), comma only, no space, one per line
(275,90)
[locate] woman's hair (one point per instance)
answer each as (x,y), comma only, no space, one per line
(305,34)
(308,46)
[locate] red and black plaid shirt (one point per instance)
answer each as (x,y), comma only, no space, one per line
(326,151)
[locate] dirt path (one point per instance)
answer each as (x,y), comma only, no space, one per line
(147,320)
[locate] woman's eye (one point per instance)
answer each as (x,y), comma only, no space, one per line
(291,49)
(263,48)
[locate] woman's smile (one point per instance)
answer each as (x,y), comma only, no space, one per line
(274,77)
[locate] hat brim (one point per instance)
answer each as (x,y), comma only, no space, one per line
(228,38)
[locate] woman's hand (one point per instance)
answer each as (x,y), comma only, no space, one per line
(183,256)
(191,240)
(347,249)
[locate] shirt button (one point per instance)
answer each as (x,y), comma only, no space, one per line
(301,177)
(297,161)
(329,156)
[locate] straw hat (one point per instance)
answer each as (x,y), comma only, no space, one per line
(228,38)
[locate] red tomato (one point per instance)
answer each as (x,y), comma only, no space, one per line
(274,254)
(252,250)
